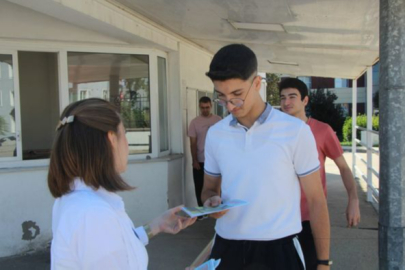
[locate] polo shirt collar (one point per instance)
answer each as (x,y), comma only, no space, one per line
(262,118)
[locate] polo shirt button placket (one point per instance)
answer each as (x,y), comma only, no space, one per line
(248,139)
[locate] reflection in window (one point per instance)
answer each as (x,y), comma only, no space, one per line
(8,147)
(83,94)
(106,95)
(123,79)
(39,100)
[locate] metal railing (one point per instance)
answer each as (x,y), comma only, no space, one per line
(373,193)
(372,190)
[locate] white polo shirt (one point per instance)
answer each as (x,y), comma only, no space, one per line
(261,165)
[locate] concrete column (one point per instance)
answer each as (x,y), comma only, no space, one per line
(392,135)
(354,123)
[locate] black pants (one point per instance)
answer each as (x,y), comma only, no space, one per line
(256,255)
(308,246)
(198,176)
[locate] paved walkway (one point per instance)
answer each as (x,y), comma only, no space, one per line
(352,249)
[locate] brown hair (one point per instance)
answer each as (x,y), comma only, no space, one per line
(82,149)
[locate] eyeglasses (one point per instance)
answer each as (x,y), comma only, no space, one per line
(237,102)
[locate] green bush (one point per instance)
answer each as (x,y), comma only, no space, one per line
(361,122)
(347,130)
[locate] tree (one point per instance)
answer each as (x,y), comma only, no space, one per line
(321,107)
(272,93)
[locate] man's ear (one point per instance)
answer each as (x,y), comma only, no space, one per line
(257,82)
(306,100)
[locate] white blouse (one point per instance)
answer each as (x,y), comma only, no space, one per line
(91,230)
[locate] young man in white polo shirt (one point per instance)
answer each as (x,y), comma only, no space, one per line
(260,155)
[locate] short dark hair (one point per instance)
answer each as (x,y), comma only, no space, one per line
(204,99)
(82,149)
(235,61)
(294,83)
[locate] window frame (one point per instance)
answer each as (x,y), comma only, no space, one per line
(165,152)
(62,50)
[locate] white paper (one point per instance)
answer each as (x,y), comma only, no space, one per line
(200,211)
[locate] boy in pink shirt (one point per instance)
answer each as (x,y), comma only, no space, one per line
(294,98)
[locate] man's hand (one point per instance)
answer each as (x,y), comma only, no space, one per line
(353,213)
(323,267)
(352,210)
(196,165)
(212,202)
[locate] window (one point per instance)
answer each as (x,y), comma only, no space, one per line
(39,102)
(341,83)
(8,146)
(83,94)
(11,99)
(376,71)
(163,110)
(30,106)
(10,72)
(125,79)
(307,81)
(106,95)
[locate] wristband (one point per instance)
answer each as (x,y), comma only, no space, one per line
(148,231)
(325,262)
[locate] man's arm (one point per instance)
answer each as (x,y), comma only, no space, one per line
(211,193)
(353,209)
(319,216)
(193,147)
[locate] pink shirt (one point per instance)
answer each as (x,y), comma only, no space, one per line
(328,145)
(198,129)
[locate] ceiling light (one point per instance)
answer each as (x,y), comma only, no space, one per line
(257,26)
(283,63)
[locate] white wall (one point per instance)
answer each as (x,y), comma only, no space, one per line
(194,63)
(24,196)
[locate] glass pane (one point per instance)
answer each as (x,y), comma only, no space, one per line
(39,100)
(163,118)
(123,79)
(8,147)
